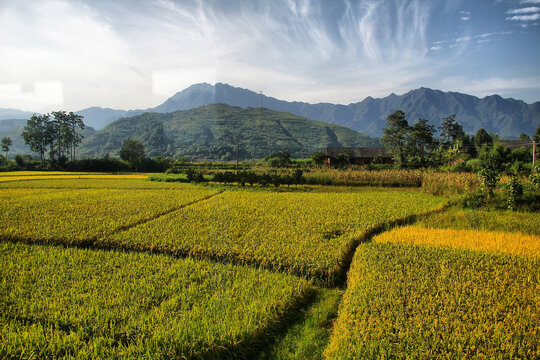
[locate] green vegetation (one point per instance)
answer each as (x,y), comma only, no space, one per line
(72,303)
(215,132)
(408,301)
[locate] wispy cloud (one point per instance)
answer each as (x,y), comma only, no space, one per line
(532,17)
(529,2)
(465,18)
(526,10)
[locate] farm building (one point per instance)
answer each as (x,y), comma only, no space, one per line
(359,155)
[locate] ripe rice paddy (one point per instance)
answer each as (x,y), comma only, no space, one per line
(131,277)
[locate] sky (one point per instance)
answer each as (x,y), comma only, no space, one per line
(134,54)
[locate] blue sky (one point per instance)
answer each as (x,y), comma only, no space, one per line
(58,54)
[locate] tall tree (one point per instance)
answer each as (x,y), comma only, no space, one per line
(421,142)
(35,134)
(6,143)
(451,131)
(132,151)
(394,137)
(482,137)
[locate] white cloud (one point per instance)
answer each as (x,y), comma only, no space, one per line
(465,18)
(526,10)
(529,2)
(435,48)
(463,39)
(532,17)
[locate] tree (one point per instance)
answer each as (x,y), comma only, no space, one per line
(6,143)
(482,138)
(279,159)
(59,134)
(132,151)
(394,137)
(319,157)
(420,143)
(524,136)
(35,134)
(451,131)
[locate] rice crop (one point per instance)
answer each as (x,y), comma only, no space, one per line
(72,216)
(308,234)
(87,304)
(93,183)
(355,177)
(405,301)
(502,242)
(480,219)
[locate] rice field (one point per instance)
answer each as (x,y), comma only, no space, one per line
(308,234)
(73,303)
(407,301)
(114,266)
(72,216)
(495,242)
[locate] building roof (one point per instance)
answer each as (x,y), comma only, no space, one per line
(358,152)
(515,144)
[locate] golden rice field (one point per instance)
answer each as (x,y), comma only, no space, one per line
(35,175)
(308,234)
(86,304)
(498,242)
(113,266)
(77,215)
(406,301)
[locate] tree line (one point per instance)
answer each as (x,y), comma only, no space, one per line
(416,146)
(56,133)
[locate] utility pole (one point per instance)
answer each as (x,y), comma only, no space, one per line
(237,157)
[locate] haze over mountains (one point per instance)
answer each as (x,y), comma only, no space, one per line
(506,117)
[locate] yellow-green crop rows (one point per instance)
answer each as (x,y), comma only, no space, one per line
(499,242)
(77,215)
(415,302)
(73,303)
(308,234)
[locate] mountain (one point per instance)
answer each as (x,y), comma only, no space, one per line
(505,117)
(98,117)
(8,114)
(213,131)
(13,128)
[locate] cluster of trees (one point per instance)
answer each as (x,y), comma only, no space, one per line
(56,133)
(415,146)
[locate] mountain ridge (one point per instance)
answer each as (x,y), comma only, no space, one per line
(213,132)
(506,117)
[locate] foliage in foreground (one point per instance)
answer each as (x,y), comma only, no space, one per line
(414,302)
(86,304)
(308,234)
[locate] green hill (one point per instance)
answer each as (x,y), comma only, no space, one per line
(212,132)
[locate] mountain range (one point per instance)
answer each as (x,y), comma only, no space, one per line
(215,131)
(507,118)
